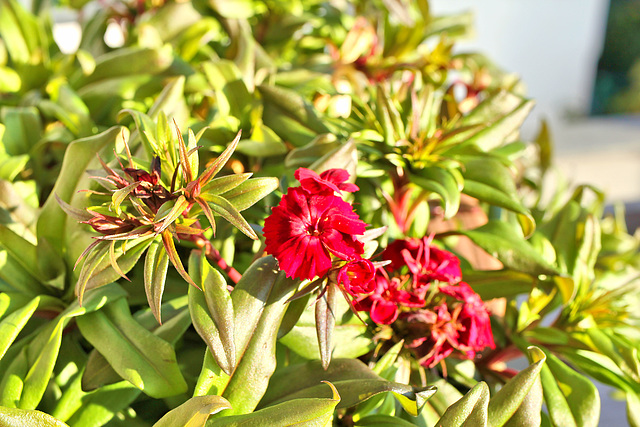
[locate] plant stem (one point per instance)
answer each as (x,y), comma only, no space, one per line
(213,255)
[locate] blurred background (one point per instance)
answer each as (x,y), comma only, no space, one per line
(580,61)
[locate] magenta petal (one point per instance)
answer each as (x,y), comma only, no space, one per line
(384,312)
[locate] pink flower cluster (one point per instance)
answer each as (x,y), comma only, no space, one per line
(421,293)
(313,231)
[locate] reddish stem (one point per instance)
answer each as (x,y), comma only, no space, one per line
(214,255)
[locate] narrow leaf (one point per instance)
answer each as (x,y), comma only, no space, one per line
(326,322)
(146,361)
(156,265)
(194,412)
(212,312)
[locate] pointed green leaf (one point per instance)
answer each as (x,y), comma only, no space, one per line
(11,325)
(223,184)
(212,312)
(156,265)
(326,322)
(307,412)
(259,303)
(353,379)
(219,163)
(170,248)
(446,183)
(470,410)
(571,398)
(225,209)
(144,360)
(12,417)
(194,412)
(499,240)
(518,391)
(164,218)
(250,192)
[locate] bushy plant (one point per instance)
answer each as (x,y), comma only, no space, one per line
(308,212)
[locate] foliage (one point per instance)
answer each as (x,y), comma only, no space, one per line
(138,287)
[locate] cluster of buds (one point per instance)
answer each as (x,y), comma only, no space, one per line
(140,208)
(420,293)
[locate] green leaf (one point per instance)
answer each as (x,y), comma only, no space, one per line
(488,180)
(446,183)
(125,62)
(502,114)
(28,375)
(146,361)
(250,192)
(382,421)
(23,129)
(308,412)
(470,410)
(499,284)
(326,322)
(194,412)
(500,241)
(156,265)
(223,184)
(571,398)
(319,147)
(12,417)
(226,209)
(100,406)
(62,233)
(212,312)
(12,324)
(350,336)
(520,397)
(259,304)
(290,116)
(219,163)
(353,379)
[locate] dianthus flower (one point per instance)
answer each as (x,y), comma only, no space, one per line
(329,181)
(356,277)
(425,262)
(306,229)
(383,304)
(421,295)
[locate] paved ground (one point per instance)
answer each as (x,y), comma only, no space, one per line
(604,152)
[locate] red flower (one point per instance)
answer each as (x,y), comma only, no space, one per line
(329,181)
(474,317)
(356,277)
(436,334)
(425,262)
(383,303)
(305,229)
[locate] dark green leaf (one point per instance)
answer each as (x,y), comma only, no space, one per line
(523,389)
(194,412)
(326,322)
(145,360)
(470,410)
(446,183)
(353,379)
(250,192)
(12,417)
(308,412)
(500,241)
(212,312)
(156,265)
(572,399)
